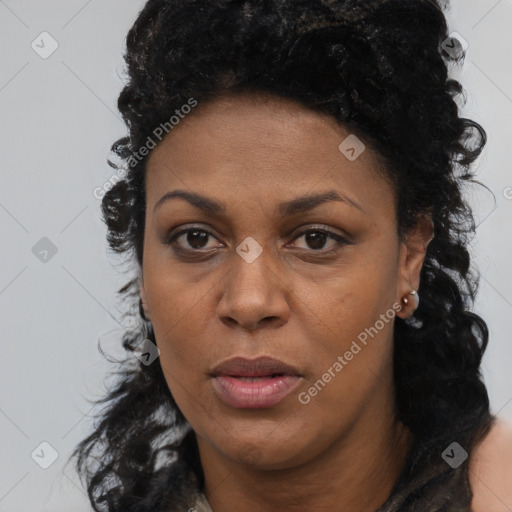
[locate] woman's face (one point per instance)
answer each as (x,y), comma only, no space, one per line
(321,304)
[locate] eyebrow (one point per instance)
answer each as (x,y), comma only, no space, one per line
(305,203)
(204,203)
(287,208)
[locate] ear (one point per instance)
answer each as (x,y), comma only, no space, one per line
(144,305)
(412,255)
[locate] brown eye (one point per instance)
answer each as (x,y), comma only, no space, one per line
(197,238)
(316,239)
(191,239)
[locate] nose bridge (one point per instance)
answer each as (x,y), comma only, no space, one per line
(251,271)
(252,290)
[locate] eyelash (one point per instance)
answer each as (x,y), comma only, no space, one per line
(340,240)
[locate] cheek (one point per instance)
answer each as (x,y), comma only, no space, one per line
(337,309)
(177,297)
(180,329)
(348,356)
(349,321)
(183,348)
(350,328)
(179,315)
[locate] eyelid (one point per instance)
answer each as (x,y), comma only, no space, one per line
(172,235)
(339,239)
(306,228)
(296,232)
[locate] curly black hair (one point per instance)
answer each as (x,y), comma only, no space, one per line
(379,67)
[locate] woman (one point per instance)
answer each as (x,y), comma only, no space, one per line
(293,198)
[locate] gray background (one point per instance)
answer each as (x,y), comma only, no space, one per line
(58,120)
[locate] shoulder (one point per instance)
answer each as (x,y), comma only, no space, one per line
(490,470)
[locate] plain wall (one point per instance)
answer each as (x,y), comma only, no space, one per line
(58,120)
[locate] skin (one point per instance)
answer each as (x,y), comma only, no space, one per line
(344,449)
(490,470)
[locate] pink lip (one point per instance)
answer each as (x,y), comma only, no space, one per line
(263,392)
(270,381)
(259,367)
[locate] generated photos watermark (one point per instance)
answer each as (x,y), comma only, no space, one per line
(341,361)
(159,133)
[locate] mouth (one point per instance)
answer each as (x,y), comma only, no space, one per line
(260,367)
(254,384)
(256,379)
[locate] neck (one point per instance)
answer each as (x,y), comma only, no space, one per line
(356,474)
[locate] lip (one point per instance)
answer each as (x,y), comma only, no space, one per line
(259,367)
(271,381)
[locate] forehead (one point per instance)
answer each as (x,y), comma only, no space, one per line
(263,145)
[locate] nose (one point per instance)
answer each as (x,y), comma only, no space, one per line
(254,295)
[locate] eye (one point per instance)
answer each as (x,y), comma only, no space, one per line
(316,239)
(196,239)
(192,239)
